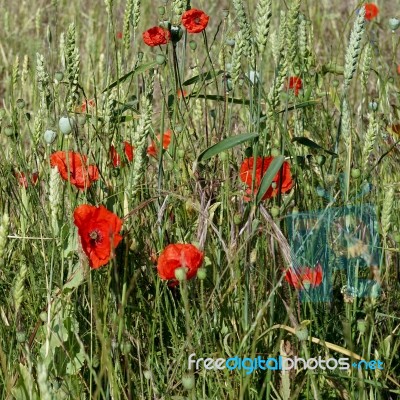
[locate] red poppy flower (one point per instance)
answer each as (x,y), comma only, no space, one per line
(91,103)
(115,157)
(98,230)
(371,11)
(283,179)
(156,36)
(119,35)
(176,256)
(295,83)
(152,149)
(181,93)
(398,69)
(80,175)
(195,20)
(23,181)
(304,277)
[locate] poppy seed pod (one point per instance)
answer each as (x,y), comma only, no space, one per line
(66,125)
(49,136)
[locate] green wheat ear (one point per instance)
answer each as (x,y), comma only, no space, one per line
(369,141)
(353,49)
(72,61)
(140,135)
(264,14)
(18,292)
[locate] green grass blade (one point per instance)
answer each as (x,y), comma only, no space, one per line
(226,144)
(269,176)
(136,71)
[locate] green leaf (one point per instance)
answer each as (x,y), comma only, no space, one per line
(205,76)
(136,71)
(226,144)
(269,176)
(219,98)
(309,143)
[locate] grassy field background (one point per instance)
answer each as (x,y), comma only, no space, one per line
(69,331)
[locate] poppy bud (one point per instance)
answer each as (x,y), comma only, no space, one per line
(49,136)
(224,156)
(188,381)
(20,104)
(21,336)
(275,152)
(394,24)
(160,59)
(140,55)
(355,173)
(66,125)
(193,45)
(43,316)
(301,332)
(373,105)
(273,185)
(180,274)
(201,273)
(9,131)
(181,153)
(237,219)
(361,325)
(275,211)
(178,128)
(58,76)
(335,83)
(147,374)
